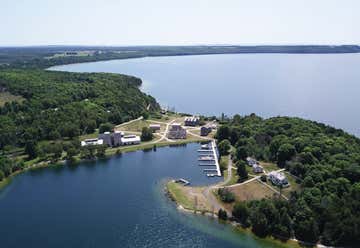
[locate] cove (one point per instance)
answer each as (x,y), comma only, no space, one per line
(119,202)
(320,87)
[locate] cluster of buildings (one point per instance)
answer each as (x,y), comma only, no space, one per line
(114,139)
(176,131)
(257,168)
(276,177)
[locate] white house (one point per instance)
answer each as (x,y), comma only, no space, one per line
(278,178)
(92,142)
(251,161)
(257,168)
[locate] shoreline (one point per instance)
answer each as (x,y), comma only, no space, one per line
(108,155)
(237,227)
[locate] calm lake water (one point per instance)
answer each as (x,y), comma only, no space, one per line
(114,203)
(321,87)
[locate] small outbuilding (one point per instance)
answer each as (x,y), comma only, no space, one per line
(91,142)
(204,131)
(155,127)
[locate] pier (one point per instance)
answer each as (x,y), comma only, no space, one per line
(183,181)
(209,153)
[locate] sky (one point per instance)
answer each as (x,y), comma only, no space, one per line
(178,22)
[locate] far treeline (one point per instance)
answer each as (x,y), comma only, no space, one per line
(43,56)
(59,107)
(326,162)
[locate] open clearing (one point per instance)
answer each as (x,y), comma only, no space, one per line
(251,191)
(8,97)
(190,198)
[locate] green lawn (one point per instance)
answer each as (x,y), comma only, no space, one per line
(176,192)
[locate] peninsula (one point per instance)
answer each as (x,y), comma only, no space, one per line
(287,178)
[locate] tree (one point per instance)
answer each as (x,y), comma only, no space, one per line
(226,195)
(57,150)
(70,154)
(106,127)
(286,152)
(100,151)
(223,132)
(31,149)
(222,214)
(145,115)
(2,175)
(224,147)
(241,153)
(70,130)
(259,223)
(305,226)
(241,170)
(284,228)
(241,212)
(146,134)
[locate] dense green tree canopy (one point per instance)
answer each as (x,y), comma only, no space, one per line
(325,160)
(64,105)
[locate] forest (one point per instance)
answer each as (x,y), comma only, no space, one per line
(61,106)
(42,56)
(326,162)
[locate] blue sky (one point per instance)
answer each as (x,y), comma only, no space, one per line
(182,22)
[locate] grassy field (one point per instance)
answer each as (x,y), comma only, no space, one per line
(251,191)
(269,166)
(7,97)
(177,192)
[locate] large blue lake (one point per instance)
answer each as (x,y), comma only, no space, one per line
(118,202)
(321,87)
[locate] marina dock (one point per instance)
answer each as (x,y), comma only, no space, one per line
(209,153)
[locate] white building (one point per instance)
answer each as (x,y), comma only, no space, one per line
(130,140)
(192,121)
(278,178)
(251,161)
(91,142)
(257,168)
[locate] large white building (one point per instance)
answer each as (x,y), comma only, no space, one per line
(278,178)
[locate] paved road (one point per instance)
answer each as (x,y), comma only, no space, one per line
(126,123)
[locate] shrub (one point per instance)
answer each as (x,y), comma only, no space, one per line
(226,195)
